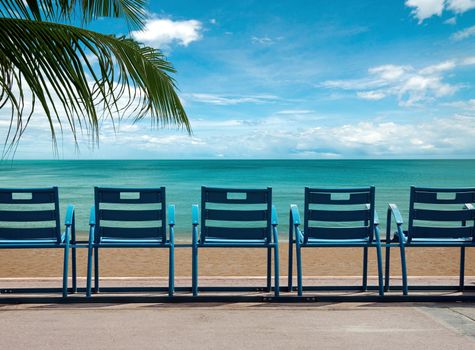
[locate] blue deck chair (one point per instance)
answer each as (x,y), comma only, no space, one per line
(30,218)
(438,217)
(236,218)
(129,218)
(335,218)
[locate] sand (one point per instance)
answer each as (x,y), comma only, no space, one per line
(142,262)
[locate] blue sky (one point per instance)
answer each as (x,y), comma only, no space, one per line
(303,79)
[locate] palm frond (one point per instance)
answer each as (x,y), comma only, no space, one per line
(87,10)
(93,76)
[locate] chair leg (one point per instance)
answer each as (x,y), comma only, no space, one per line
(299,270)
(403,269)
(364,286)
(269,269)
(73,258)
(74,270)
(89,272)
(462,269)
(171,271)
(379,254)
(65,270)
(276,271)
(290,271)
(387,269)
(96,270)
(194,272)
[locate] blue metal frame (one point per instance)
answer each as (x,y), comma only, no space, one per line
(35,237)
(366,236)
(429,236)
(102,236)
(234,237)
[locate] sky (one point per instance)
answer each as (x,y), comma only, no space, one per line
(300,79)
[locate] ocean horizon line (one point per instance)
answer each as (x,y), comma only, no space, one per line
(231,159)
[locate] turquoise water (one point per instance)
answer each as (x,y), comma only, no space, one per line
(183,179)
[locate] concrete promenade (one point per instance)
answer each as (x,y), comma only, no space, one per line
(233,325)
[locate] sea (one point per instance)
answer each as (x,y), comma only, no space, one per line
(183,180)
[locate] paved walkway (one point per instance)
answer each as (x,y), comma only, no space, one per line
(236,325)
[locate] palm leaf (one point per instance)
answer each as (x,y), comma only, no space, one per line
(55,10)
(92,75)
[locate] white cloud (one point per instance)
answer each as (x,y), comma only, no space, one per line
(467,105)
(438,68)
(389,72)
(371,95)
(460,6)
(423,9)
(464,34)
(295,111)
(419,88)
(271,137)
(409,85)
(435,137)
(468,61)
(225,100)
(451,20)
(162,32)
(352,84)
(263,40)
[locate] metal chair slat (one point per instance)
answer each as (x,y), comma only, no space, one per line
(236,215)
(130,215)
(442,215)
(338,233)
(338,215)
(27,215)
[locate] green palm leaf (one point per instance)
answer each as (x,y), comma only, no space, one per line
(94,76)
(132,10)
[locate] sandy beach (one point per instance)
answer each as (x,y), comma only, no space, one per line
(230,262)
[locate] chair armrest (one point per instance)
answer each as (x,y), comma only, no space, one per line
(69,215)
(69,231)
(195,214)
(275,220)
(294,212)
(295,221)
(395,213)
(92,216)
(92,225)
(171,214)
(171,223)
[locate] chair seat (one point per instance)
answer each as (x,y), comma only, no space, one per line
(440,240)
(151,240)
(435,241)
(319,241)
(224,241)
(29,241)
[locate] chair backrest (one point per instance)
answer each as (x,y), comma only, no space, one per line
(236,214)
(30,214)
(437,213)
(339,214)
(129,213)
